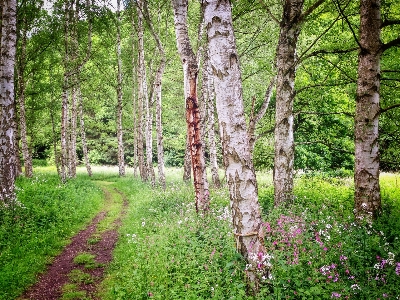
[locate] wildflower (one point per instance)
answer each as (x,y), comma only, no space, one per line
(355,287)
(335,295)
(398,268)
(143,223)
(384,295)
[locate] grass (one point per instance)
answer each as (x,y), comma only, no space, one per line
(39,227)
(316,250)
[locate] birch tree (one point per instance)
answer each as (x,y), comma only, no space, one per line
(156,96)
(241,178)
(121,159)
(190,71)
(7,99)
(290,26)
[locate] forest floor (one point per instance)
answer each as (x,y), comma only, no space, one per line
(77,271)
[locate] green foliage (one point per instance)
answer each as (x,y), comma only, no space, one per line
(317,249)
(39,224)
(168,251)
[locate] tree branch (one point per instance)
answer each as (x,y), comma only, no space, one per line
(310,10)
(382,110)
(341,11)
(269,12)
(335,51)
(324,114)
(389,23)
(394,43)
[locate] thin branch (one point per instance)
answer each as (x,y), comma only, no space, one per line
(269,12)
(343,72)
(348,23)
(335,51)
(322,85)
(394,43)
(324,114)
(382,110)
(389,23)
(317,39)
(267,99)
(310,10)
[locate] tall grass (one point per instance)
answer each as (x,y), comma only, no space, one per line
(39,225)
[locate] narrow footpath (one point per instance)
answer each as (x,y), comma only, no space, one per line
(77,271)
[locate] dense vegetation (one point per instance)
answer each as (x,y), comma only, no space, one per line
(166,250)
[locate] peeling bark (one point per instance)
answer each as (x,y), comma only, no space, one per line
(190,70)
(367,200)
(246,216)
(285,93)
(7,99)
(187,163)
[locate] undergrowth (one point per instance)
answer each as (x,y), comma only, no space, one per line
(38,226)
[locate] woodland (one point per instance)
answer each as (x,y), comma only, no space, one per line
(179,149)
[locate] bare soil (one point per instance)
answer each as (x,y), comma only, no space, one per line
(50,283)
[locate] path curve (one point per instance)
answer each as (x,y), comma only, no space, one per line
(50,283)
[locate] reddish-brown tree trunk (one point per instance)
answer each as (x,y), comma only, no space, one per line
(190,70)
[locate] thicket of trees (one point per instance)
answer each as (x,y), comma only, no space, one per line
(291,85)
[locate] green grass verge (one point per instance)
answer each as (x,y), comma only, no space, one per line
(38,229)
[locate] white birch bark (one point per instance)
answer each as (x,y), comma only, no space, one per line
(121,159)
(7,133)
(241,178)
(284,140)
(193,120)
(144,102)
(83,134)
(367,200)
(157,93)
(208,91)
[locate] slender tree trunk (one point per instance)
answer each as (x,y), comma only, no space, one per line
(187,161)
(64,106)
(284,141)
(21,100)
(157,88)
(367,200)
(143,94)
(83,134)
(121,159)
(208,91)
(143,102)
(254,119)
(134,103)
(246,216)
(7,98)
(190,70)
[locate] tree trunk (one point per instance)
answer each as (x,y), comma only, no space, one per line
(7,99)
(208,91)
(83,134)
(187,161)
(190,70)
(157,85)
(143,100)
(367,200)
(246,216)
(21,100)
(121,159)
(284,141)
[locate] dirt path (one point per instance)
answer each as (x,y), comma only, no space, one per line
(77,271)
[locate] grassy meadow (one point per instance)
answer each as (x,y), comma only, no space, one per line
(167,251)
